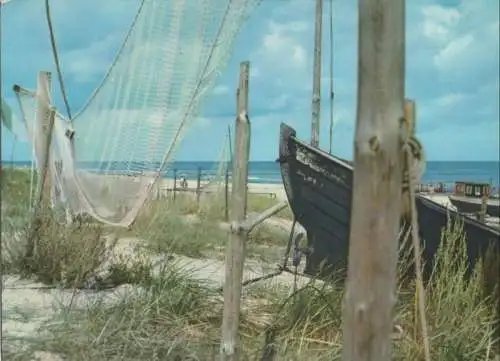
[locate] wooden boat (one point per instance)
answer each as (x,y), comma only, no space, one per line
(470,205)
(319,189)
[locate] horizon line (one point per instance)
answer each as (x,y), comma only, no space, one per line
(9,161)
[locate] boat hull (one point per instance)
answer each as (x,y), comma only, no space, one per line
(319,189)
(473,205)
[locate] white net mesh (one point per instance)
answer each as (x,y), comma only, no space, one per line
(125,136)
(217,176)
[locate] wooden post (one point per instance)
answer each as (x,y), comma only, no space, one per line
(175,183)
(43,190)
(235,250)
(45,123)
(228,167)
(198,187)
(375,218)
(316,99)
(409,114)
(226,194)
(484,207)
(43,126)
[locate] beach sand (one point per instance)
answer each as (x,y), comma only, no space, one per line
(265,189)
(27,304)
(439,198)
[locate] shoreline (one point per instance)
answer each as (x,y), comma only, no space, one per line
(275,190)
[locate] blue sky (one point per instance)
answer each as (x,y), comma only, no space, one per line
(452,71)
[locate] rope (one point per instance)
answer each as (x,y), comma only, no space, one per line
(332,94)
(56,58)
(410,151)
(281,267)
(230,143)
(13,150)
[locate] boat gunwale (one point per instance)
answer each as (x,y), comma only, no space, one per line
(322,153)
(429,202)
(473,200)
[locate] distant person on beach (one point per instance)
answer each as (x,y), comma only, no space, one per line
(184,183)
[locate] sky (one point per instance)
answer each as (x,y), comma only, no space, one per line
(452,71)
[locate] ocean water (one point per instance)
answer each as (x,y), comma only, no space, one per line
(269,172)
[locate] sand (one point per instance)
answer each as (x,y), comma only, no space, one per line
(439,198)
(27,305)
(264,189)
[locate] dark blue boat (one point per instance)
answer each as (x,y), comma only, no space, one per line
(319,189)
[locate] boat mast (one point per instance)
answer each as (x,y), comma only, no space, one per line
(332,94)
(316,98)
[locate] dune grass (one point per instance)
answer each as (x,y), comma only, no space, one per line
(213,205)
(184,227)
(15,194)
(170,315)
(174,317)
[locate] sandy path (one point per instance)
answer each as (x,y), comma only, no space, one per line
(253,188)
(26,305)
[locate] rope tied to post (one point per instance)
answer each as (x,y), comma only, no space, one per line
(413,168)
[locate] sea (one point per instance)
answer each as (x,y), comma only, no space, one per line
(269,172)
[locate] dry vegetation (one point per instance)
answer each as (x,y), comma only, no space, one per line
(172,316)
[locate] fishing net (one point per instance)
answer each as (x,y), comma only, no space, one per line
(107,159)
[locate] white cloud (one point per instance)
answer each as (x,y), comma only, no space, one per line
(450,100)
(281,42)
(453,50)
(452,66)
(439,21)
(460,36)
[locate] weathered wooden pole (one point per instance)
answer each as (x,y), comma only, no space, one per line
(226,195)
(43,126)
(228,167)
(373,251)
(198,187)
(410,117)
(332,92)
(235,249)
(174,190)
(316,98)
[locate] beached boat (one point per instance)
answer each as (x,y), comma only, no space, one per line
(469,205)
(319,189)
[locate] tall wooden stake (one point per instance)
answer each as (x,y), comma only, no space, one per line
(332,93)
(43,127)
(175,183)
(45,123)
(373,251)
(198,187)
(410,116)
(484,207)
(316,100)
(226,195)
(235,249)
(226,180)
